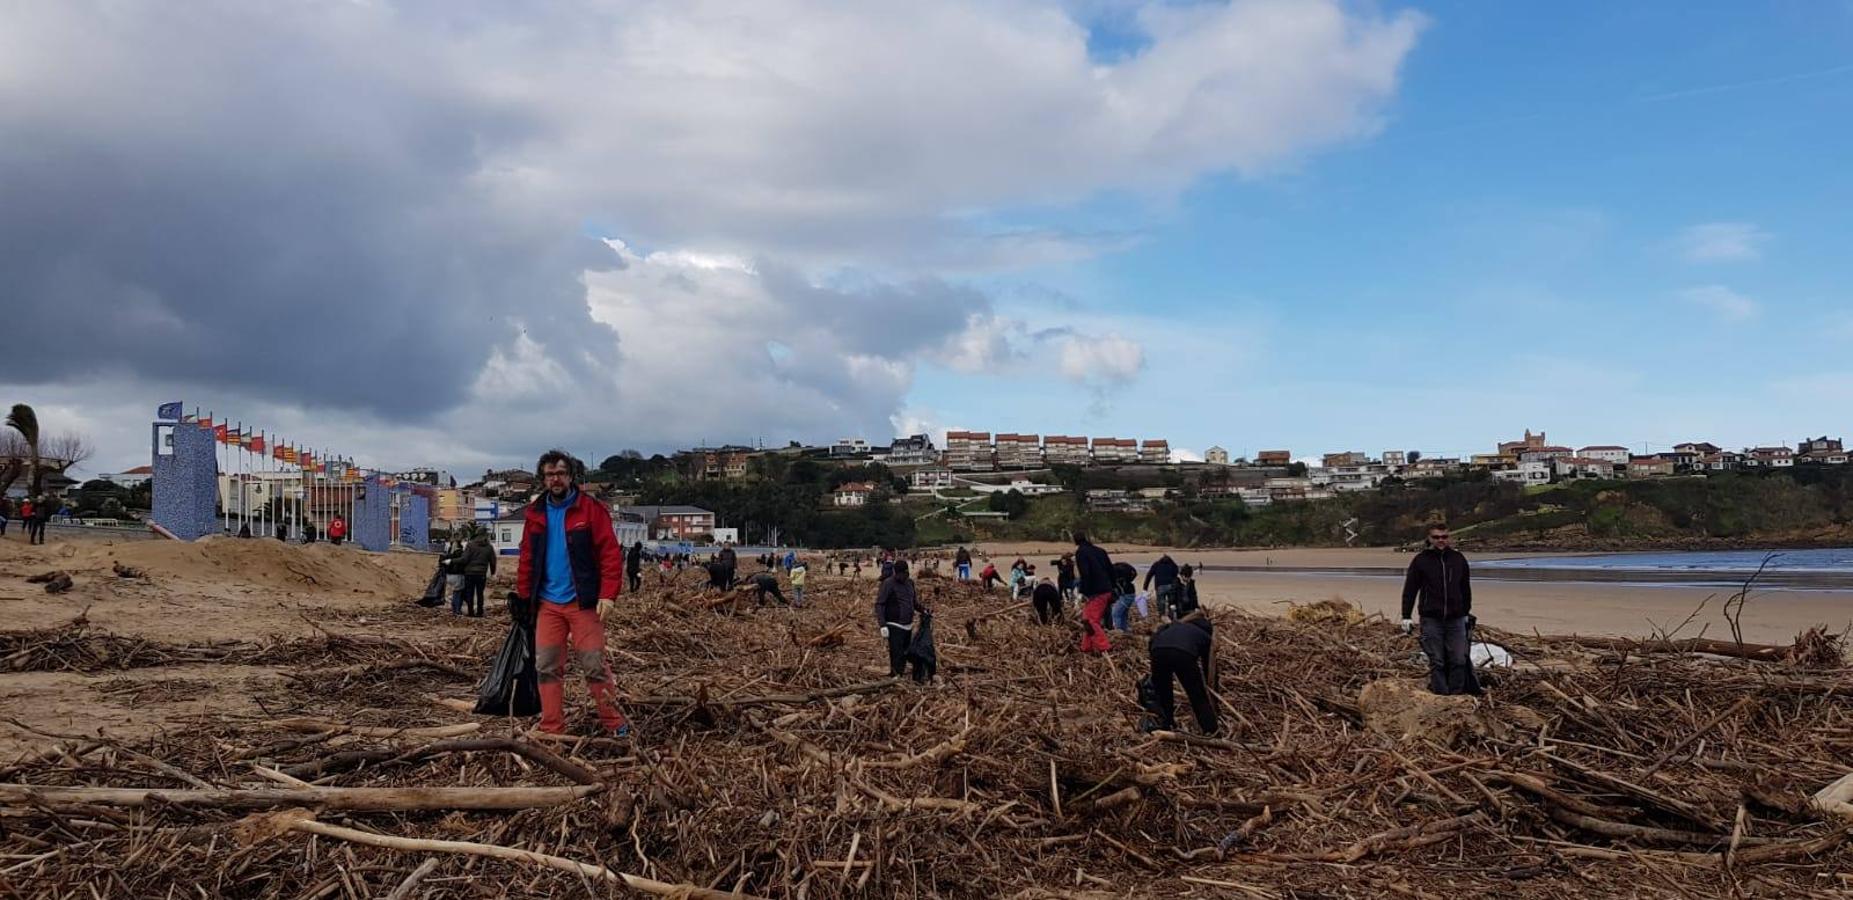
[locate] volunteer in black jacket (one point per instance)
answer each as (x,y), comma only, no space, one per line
(1184,650)
(1094,579)
(1438,576)
(1164,573)
(895,605)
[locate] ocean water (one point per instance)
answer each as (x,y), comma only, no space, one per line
(1736,562)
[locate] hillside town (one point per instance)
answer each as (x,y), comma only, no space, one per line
(977,464)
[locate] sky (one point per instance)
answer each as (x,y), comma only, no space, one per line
(457,233)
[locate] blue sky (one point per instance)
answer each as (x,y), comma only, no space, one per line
(1304,224)
(1512,249)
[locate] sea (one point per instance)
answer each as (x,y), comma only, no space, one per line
(1824,569)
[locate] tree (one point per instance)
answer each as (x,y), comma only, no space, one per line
(23,420)
(1011,503)
(1296,470)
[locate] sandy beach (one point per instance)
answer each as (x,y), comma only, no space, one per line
(1549,608)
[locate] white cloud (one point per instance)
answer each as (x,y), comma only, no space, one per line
(429,173)
(1726,303)
(1103,360)
(1716,242)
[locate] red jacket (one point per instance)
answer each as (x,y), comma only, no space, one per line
(591,549)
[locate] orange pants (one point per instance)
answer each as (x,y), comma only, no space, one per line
(1095,640)
(558,626)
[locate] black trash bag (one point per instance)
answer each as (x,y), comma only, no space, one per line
(921,650)
(512,688)
(1148,695)
(434,590)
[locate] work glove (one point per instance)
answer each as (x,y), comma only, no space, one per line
(517,607)
(884,632)
(1407,625)
(604,608)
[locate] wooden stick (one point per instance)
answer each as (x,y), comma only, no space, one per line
(411,881)
(391,755)
(1644,832)
(368,799)
(471,848)
(317,725)
(867,687)
(1702,730)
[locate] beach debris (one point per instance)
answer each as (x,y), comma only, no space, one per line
(769,761)
(123,571)
(55,582)
(1333,611)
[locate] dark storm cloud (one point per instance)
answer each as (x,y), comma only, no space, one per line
(232,198)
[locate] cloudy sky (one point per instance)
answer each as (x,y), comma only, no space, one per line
(454,232)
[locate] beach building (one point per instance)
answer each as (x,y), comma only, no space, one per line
(914,450)
(1769,457)
(671,523)
(1155,453)
(855,493)
(1650,467)
(1701,448)
(1274,458)
(1115,451)
(1018,451)
(1216,456)
(1528,442)
(930,478)
(1395,459)
(129,478)
(1347,458)
(1584,467)
(1544,453)
(1722,461)
(1616,456)
(1065,449)
(969,451)
(849,447)
(1821,451)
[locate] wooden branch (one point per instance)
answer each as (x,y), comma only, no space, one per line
(411,881)
(296,820)
(1197,740)
(1649,833)
(1695,735)
(316,726)
(1761,652)
(937,753)
(867,687)
(393,755)
(1653,798)
(1538,787)
(360,799)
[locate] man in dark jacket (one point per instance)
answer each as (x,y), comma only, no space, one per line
(1184,599)
(568,578)
(962,562)
(1064,577)
(478,564)
(1125,592)
(1184,650)
(1438,576)
(895,604)
(729,563)
(766,583)
(1048,600)
(1164,574)
(633,567)
(1094,579)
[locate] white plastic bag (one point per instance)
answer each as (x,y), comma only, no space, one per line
(1139,601)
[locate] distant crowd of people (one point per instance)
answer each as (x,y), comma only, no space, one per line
(33,514)
(571,569)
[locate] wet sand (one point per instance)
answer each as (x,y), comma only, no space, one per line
(1547,607)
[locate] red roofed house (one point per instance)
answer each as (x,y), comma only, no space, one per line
(855,493)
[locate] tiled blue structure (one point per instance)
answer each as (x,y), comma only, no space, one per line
(372,524)
(186,482)
(414,519)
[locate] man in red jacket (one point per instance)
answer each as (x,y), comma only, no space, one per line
(568,578)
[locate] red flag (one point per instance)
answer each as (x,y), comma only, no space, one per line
(257,444)
(221,433)
(205,421)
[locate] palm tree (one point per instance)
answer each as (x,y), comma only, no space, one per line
(23,420)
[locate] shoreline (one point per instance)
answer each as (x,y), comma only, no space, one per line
(1266,581)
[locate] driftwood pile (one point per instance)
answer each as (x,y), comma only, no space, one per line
(773,758)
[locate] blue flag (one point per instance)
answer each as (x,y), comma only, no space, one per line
(169,411)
